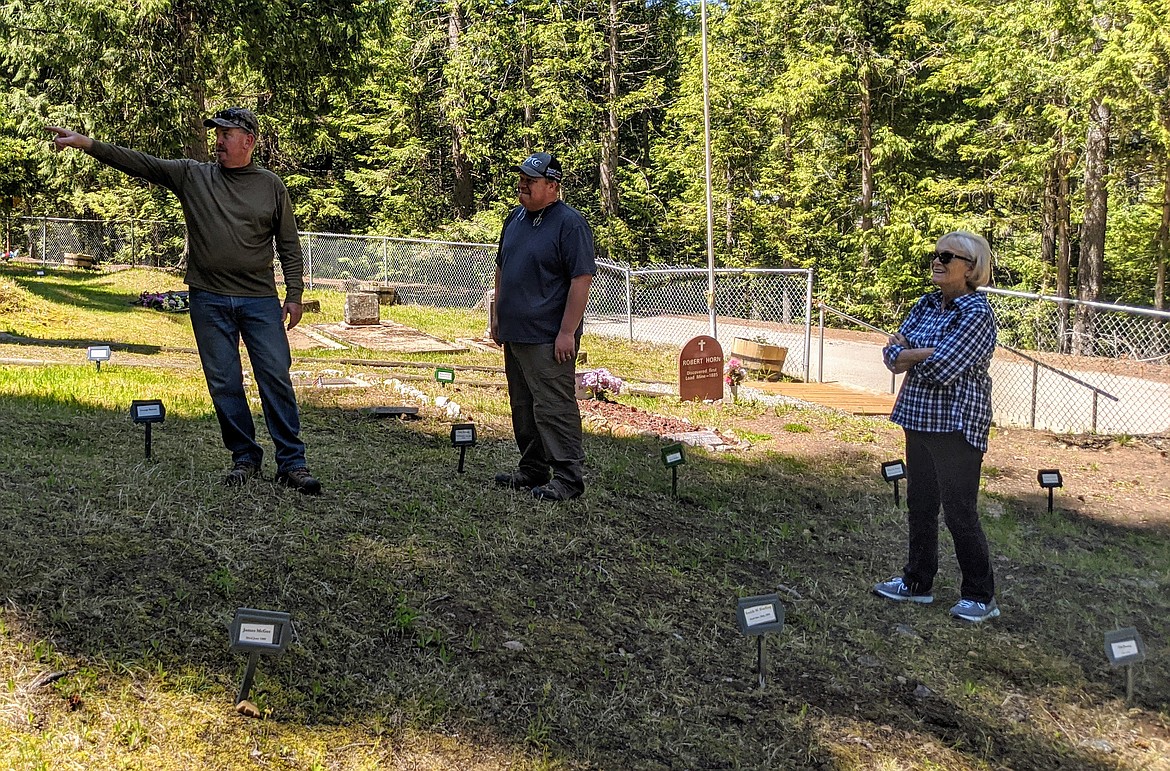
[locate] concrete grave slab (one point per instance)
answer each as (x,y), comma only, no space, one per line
(301,338)
(388,336)
(324,380)
(697,438)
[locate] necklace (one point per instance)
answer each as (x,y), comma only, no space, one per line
(540,215)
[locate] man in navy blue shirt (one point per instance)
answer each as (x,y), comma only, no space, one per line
(544,268)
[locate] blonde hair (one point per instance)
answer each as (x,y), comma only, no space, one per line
(973,245)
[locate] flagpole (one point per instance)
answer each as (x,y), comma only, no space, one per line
(707,164)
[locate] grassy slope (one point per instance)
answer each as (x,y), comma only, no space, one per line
(406,580)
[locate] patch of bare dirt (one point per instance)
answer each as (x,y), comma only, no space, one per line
(1121,481)
(624,420)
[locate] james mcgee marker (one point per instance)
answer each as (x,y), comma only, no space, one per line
(700,370)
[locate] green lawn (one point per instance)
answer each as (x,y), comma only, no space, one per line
(442,623)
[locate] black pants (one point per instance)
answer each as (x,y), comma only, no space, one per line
(545,416)
(943,468)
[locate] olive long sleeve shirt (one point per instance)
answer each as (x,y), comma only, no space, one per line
(234,219)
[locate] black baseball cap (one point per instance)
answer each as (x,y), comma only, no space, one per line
(540,165)
(235,117)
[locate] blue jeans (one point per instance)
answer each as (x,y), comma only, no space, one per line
(219,321)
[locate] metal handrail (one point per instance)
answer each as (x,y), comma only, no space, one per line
(1151,312)
(1036,363)
(822,306)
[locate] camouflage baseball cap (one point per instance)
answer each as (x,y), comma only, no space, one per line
(235,117)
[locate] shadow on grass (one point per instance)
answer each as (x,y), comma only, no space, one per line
(600,631)
(85,343)
(77,290)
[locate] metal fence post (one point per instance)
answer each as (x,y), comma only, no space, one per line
(133,250)
(1035,379)
(309,258)
(629,302)
(44,241)
(821,346)
(808,287)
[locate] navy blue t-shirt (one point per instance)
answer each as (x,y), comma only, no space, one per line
(539,256)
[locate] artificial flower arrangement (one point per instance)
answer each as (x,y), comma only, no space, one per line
(171,302)
(599,384)
(734,372)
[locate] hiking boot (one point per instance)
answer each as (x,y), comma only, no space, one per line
(518,480)
(241,472)
(299,479)
(895,589)
(975,612)
(556,490)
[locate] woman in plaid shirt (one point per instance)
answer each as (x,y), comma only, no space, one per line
(945,346)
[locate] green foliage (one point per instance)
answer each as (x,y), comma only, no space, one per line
(405,119)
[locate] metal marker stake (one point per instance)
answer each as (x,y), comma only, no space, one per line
(462,436)
(1050,491)
(673,457)
(249,673)
(762,659)
(147,440)
(758,616)
(1124,647)
(892,471)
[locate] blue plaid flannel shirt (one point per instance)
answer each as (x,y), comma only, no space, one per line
(951,390)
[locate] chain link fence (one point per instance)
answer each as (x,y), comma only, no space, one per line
(50,241)
(669,306)
(437,273)
(1074,366)
(1036,383)
(1063,365)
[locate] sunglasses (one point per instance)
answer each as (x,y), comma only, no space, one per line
(946,257)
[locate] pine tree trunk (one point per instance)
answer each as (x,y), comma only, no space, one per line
(1093,229)
(462,194)
(1163,245)
(529,110)
(1063,249)
(609,136)
(866,141)
(195,146)
(1048,212)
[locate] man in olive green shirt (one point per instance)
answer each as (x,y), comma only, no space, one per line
(236,214)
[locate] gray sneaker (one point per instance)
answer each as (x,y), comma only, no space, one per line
(895,589)
(975,612)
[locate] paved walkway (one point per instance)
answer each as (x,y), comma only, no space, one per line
(1060,404)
